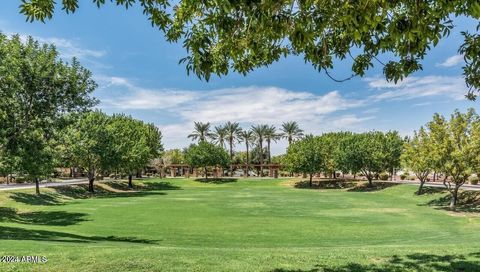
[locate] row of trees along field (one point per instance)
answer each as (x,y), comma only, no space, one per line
(369,153)
(448,147)
(46,119)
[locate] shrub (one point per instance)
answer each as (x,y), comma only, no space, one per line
(403,176)
(383,176)
(412,177)
(473,180)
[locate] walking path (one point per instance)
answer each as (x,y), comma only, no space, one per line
(466,187)
(15,186)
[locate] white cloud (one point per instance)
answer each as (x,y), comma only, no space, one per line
(66,47)
(415,87)
(451,61)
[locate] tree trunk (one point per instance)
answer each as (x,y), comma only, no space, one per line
(231,157)
(453,201)
(206,173)
(91,179)
(369,178)
(248,162)
(130,184)
(7,179)
(334,174)
(420,188)
(310,182)
(434,176)
(37,186)
(261,159)
(268,150)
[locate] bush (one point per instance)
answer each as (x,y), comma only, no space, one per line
(403,176)
(473,180)
(383,176)
(412,177)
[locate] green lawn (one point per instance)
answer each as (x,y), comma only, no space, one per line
(246,225)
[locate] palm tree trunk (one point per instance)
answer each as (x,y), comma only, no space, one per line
(248,162)
(261,158)
(231,157)
(268,147)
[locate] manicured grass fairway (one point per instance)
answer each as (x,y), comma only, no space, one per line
(254,225)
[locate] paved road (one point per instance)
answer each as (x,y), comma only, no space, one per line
(4,187)
(467,187)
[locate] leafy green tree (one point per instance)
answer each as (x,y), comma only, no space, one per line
(416,156)
(91,144)
(135,144)
(369,148)
(37,90)
(205,154)
(306,156)
(439,144)
(393,150)
(347,156)
(201,132)
(173,156)
(243,35)
(329,142)
(460,161)
(291,131)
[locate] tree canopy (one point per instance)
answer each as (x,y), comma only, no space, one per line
(306,156)
(37,90)
(205,154)
(221,36)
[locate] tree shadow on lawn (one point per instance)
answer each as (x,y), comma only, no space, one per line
(376,186)
(326,184)
(102,190)
(45,199)
(433,190)
(11,233)
(411,262)
(48,218)
(216,180)
(467,202)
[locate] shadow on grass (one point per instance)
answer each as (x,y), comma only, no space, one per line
(433,190)
(411,262)
(109,189)
(10,233)
(49,218)
(46,199)
(376,186)
(326,184)
(468,201)
(216,180)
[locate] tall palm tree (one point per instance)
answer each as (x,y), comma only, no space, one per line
(270,135)
(219,136)
(248,138)
(233,130)
(259,132)
(201,132)
(291,131)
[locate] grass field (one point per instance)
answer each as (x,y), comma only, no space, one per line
(243,225)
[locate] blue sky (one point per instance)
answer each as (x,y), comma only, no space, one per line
(138,74)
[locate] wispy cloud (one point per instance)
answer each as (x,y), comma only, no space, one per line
(451,61)
(246,105)
(415,87)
